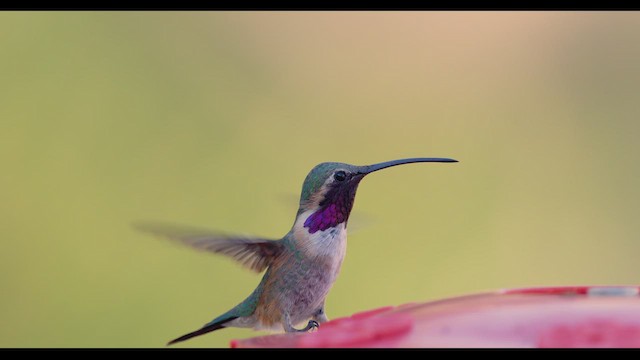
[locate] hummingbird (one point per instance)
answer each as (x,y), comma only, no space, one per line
(302,266)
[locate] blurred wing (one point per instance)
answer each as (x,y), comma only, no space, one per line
(255,253)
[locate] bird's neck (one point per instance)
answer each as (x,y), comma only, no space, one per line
(327,241)
(331,211)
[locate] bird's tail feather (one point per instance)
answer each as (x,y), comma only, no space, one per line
(205,329)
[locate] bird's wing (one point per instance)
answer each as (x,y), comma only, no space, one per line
(254,253)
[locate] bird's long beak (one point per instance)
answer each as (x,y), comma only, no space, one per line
(383,165)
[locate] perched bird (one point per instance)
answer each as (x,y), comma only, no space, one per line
(303,265)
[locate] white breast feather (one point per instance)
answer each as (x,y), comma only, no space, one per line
(331,242)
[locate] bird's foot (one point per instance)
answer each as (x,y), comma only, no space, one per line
(312,325)
(288,327)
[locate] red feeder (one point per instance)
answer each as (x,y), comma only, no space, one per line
(557,317)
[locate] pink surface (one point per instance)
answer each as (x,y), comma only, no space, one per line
(579,316)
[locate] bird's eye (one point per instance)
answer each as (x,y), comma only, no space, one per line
(340,175)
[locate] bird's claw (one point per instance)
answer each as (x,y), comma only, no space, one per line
(313,325)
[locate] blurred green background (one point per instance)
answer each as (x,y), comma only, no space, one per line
(213,119)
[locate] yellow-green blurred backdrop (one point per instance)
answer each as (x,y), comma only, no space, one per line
(213,119)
